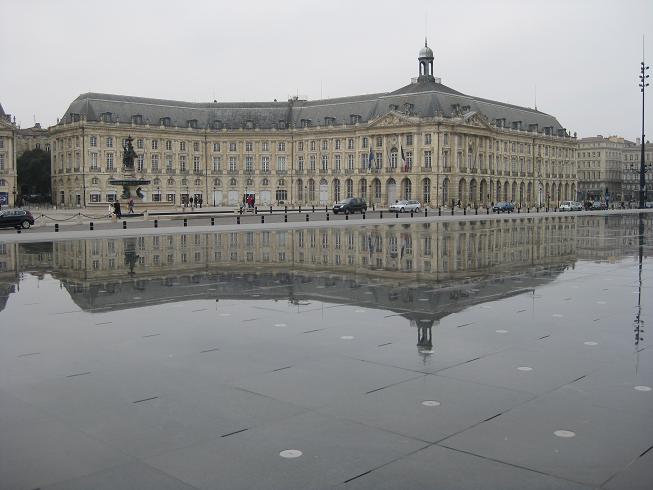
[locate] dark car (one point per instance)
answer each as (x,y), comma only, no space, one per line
(16,218)
(503,207)
(350,206)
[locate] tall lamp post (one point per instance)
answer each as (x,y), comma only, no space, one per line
(642,168)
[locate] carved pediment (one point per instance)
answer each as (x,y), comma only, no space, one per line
(476,119)
(392,119)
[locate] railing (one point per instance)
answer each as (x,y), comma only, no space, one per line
(282,172)
(198,172)
(216,172)
(171,171)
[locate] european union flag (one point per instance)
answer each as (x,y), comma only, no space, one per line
(370,159)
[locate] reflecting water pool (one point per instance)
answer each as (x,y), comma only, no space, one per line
(427,355)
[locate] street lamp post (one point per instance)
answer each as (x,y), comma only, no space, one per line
(642,168)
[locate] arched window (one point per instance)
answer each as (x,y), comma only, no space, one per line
(349,188)
(3,182)
(426,191)
(171,181)
(184,181)
(362,186)
(406,189)
(232,182)
(393,158)
(311,190)
(198,181)
(265,182)
(336,190)
(216,182)
(156,181)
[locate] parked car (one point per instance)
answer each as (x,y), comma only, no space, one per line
(570,206)
(598,205)
(350,206)
(406,205)
(16,218)
(503,207)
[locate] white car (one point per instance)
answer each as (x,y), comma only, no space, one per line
(407,205)
(570,206)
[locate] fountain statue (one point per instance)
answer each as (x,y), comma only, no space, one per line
(128,179)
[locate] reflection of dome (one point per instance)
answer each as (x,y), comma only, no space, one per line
(425,52)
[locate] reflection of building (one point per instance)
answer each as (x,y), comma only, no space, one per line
(610,238)
(8,132)
(443,261)
(425,141)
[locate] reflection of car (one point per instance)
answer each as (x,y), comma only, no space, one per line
(503,207)
(15,218)
(350,205)
(570,206)
(648,204)
(406,205)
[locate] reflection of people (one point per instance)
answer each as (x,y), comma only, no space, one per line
(116,207)
(131,206)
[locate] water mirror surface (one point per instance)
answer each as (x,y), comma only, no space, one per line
(389,356)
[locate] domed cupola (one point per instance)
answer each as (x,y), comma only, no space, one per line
(426,63)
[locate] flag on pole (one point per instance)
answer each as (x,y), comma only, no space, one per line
(403,158)
(370,159)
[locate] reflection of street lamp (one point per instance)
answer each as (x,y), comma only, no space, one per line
(642,181)
(305,195)
(214,196)
(158,193)
(14,191)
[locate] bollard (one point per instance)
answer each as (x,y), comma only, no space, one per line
(285,218)
(285,209)
(56,227)
(255,210)
(426,212)
(124,225)
(307,217)
(528,210)
(156,223)
(439,211)
(90,226)
(488,210)
(300,209)
(411,213)
(185,221)
(326,208)
(518,209)
(212,221)
(346,217)
(396,215)
(363,214)
(476,210)
(380,214)
(451,211)
(313,207)
(465,211)
(237,220)
(327,216)
(18,231)
(262,218)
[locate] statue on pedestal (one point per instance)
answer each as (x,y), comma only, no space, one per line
(128,155)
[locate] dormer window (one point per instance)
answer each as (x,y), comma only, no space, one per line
(466,108)
(137,119)
(408,107)
(516,125)
(329,121)
(249,124)
(217,124)
(393,107)
(501,122)
(532,128)
(455,108)
(105,117)
(74,117)
(281,124)
(355,118)
(306,123)
(165,121)
(192,123)
(548,130)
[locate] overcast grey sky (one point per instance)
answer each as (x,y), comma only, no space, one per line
(583,55)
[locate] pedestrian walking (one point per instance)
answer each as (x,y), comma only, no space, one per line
(130,205)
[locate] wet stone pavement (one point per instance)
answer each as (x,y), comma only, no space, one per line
(499,354)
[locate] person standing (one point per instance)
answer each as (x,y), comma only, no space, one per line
(131,206)
(117,211)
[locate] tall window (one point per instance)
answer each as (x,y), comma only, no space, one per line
(336,162)
(140,163)
(155,162)
(109,161)
(249,146)
(196,146)
(232,164)
(182,163)
(281,163)
(427,139)
(311,162)
(168,145)
(216,164)
(265,164)
(93,141)
(325,163)
(350,162)
(427,159)
(249,163)
(281,146)
(196,164)
(182,146)
(350,143)
(155,144)
(232,146)
(93,161)
(109,142)
(216,146)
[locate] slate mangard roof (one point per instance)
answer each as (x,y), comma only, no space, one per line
(426,98)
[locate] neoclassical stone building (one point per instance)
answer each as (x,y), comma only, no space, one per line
(8,132)
(425,141)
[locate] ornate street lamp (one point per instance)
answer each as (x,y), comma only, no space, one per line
(642,168)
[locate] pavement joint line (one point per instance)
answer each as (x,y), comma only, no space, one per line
(280,369)
(104,323)
(29,354)
(316,330)
(146,399)
(234,432)
(383,345)
(78,374)
(209,350)
(250,320)
(151,335)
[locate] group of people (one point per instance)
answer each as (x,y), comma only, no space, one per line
(115,210)
(194,203)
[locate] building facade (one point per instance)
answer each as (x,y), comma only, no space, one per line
(34,138)
(600,168)
(8,132)
(423,141)
(632,154)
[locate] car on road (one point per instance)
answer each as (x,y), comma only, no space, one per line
(406,205)
(503,207)
(598,205)
(570,206)
(350,206)
(16,218)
